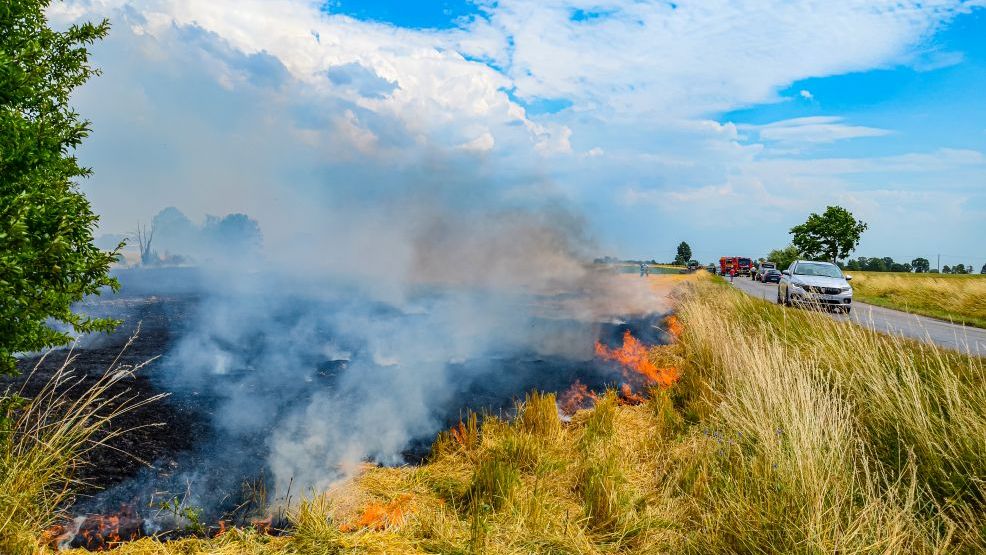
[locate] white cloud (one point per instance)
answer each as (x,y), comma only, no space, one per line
(482,143)
(699,56)
(644,80)
(815,130)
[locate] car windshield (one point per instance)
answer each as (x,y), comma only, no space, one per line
(772,271)
(744,260)
(817,269)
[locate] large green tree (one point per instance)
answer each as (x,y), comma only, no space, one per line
(829,236)
(47,257)
(684,254)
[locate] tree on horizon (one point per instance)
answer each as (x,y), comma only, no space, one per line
(831,236)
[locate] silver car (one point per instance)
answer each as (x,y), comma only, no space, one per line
(816,283)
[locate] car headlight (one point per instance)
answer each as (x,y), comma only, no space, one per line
(798,284)
(847,289)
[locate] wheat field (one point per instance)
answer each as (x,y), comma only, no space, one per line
(958,298)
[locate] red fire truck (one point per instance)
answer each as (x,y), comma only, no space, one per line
(741,265)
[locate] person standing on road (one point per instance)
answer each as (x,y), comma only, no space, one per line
(732,274)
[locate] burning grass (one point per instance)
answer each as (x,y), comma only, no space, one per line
(41,442)
(784,432)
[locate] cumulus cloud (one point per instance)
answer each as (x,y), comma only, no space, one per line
(310,94)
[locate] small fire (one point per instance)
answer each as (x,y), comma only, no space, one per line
(576,398)
(222,529)
(633,356)
(58,536)
(674,326)
(96,532)
(262,525)
(379,516)
(628,397)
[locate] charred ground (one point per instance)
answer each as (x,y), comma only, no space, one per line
(158,432)
(180,447)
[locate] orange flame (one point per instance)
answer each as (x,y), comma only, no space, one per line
(222,529)
(104,532)
(56,535)
(576,398)
(628,397)
(460,433)
(379,516)
(263,525)
(674,326)
(633,356)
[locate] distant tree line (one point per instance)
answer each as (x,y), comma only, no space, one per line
(834,234)
(614,260)
(918,265)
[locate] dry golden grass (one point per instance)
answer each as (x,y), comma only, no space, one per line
(40,450)
(959,298)
(788,433)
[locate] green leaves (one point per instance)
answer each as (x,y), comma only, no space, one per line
(684,254)
(831,236)
(47,257)
(784,257)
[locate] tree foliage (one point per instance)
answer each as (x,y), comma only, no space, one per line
(830,236)
(885,264)
(47,256)
(921,265)
(684,254)
(784,257)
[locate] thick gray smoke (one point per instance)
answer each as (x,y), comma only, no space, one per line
(326,367)
(364,336)
(402,278)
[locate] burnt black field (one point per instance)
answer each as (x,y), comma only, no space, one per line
(215,433)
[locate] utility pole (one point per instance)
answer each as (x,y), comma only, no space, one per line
(939,263)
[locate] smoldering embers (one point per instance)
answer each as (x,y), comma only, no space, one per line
(301,386)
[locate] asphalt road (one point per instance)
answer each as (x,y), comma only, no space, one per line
(895,322)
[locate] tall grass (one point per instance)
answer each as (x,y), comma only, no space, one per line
(788,433)
(883,438)
(960,298)
(42,448)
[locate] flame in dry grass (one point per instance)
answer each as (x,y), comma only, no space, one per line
(263,525)
(629,397)
(634,357)
(674,326)
(380,516)
(105,532)
(575,398)
(222,529)
(57,535)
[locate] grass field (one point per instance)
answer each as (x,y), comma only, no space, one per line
(957,298)
(787,433)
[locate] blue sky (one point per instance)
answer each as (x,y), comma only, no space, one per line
(719,123)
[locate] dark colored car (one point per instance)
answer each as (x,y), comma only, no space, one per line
(772,275)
